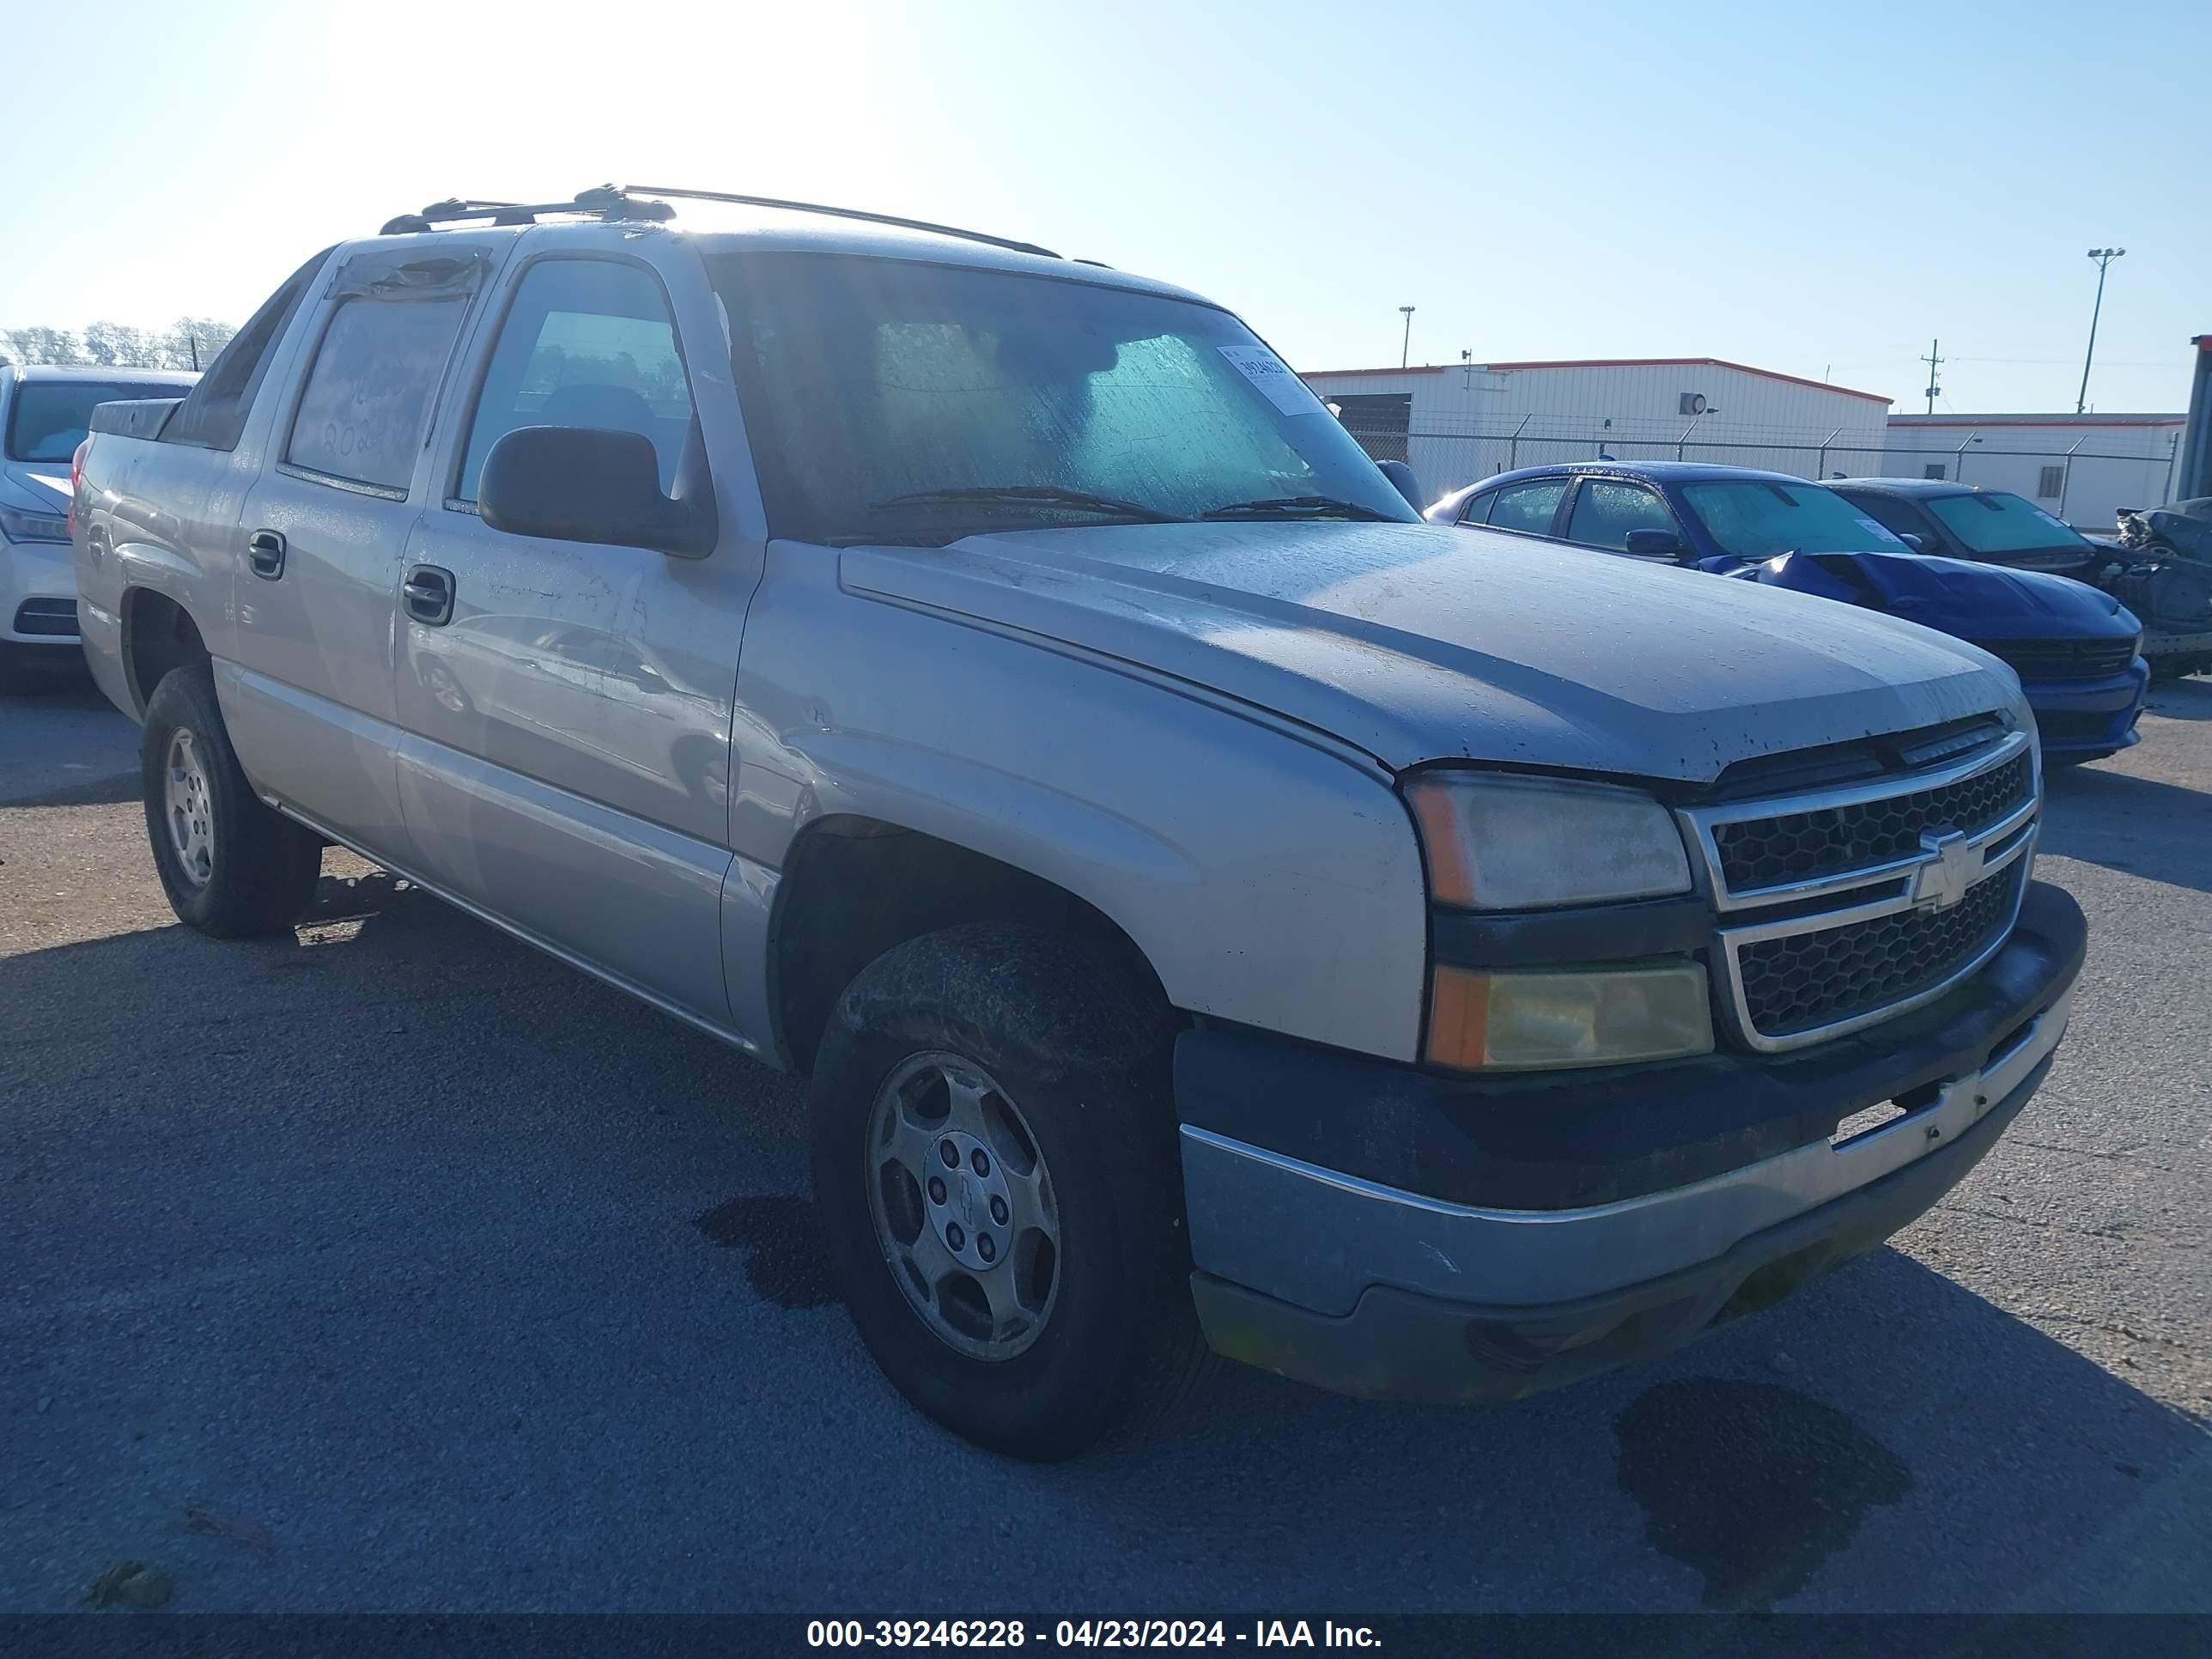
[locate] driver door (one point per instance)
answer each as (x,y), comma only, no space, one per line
(567,705)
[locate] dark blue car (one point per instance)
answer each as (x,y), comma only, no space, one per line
(2077,650)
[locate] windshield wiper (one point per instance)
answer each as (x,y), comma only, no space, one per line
(1297,507)
(1032,495)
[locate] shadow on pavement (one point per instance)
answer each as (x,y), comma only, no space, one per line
(2183,700)
(398,1244)
(2142,825)
(110,790)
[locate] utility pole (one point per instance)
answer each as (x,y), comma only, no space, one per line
(2103,255)
(1934,363)
(1405,350)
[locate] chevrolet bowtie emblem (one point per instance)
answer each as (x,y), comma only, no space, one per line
(1952,866)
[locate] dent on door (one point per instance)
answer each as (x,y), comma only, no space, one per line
(567,748)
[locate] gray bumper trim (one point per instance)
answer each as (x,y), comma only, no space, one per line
(1399,1345)
(1319,1240)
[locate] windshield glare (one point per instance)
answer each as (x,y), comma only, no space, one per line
(1756,518)
(869,380)
(48,419)
(2001,523)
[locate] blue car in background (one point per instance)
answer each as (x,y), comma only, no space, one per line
(2077,650)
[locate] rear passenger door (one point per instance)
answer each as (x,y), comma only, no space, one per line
(325,528)
(1605,510)
(1527,509)
(566,762)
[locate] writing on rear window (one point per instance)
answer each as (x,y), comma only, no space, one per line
(361,411)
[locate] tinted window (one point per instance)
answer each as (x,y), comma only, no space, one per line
(1605,510)
(1527,506)
(877,381)
(361,411)
(1898,517)
(1477,510)
(214,415)
(1756,518)
(48,418)
(1995,522)
(587,343)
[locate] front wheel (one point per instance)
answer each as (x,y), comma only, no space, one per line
(996,1174)
(232,867)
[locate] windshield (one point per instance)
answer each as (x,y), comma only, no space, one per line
(48,419)
(1756,518)
(895,401)
(1999,523)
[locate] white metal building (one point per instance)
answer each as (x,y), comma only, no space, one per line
(1460,422)
(2082,468)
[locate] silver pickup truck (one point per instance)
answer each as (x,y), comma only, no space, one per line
(1214,907)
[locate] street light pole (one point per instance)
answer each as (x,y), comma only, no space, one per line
(2104,257)
(1406,348)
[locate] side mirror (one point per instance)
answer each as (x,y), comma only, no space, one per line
(1655,545)
(1408,486)
(588,484)
(1912,541)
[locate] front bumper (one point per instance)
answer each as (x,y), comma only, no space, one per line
(2089,717)
(1384,1289)
(38,595)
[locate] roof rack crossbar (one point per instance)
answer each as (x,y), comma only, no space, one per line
(624,202)
(606,203)
(892,219)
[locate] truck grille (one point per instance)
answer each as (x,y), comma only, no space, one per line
(1803,982)
(1773,852)
(1846,905)
(2061,659)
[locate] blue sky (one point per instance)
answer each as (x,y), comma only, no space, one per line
(1812,190)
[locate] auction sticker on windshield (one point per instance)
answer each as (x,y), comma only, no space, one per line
(1272,376)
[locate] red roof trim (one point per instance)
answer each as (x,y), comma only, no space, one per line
(2007,423)
(1342,374)
(1690,362)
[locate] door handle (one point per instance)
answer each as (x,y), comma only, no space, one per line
(427,594)
(264,551)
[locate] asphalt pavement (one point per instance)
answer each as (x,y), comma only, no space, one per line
(397,1267)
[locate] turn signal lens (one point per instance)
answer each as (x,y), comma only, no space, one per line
(1594,1017)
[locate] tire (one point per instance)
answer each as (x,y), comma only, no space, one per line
(234,868)
(1069,1031)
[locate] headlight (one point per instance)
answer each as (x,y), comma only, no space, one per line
(21,526)
(1583,1017)
(1496,843)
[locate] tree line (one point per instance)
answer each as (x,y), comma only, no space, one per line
(188,343)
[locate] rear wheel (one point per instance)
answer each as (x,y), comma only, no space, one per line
(996,1174)
(232,867)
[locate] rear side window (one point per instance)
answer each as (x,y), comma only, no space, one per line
(1898,517)
(1528,508)
(369,392)
(588,343)
(1605,510)
(213,416)
(1477,510)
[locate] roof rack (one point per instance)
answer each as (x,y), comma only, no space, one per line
(618,202)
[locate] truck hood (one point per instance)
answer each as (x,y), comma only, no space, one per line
(35,486)
(1416,642)
(1973,601)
